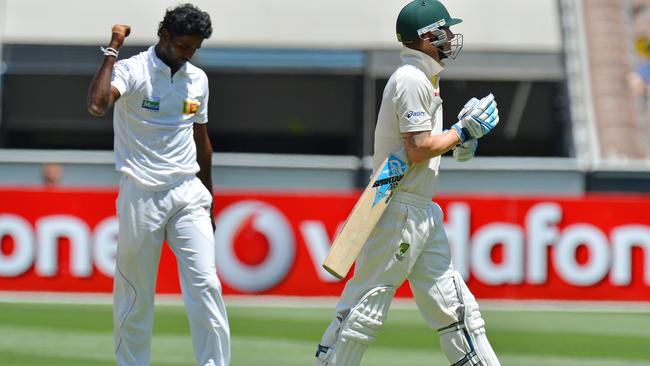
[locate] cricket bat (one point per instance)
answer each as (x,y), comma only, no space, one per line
(365,215)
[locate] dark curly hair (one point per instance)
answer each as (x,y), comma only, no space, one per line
(186,20)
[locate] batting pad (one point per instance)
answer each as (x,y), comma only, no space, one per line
(465,343)
(360,328)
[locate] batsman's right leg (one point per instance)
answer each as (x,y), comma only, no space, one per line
(449,306)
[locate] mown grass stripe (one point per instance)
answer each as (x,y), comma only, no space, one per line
(36,334)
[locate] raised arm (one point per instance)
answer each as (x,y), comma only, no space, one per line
(101,95)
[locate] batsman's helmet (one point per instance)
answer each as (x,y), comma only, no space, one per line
(423,16)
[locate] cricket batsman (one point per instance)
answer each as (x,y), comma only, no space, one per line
(409,241)
(164,154)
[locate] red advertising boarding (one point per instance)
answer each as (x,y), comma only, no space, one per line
(595,247)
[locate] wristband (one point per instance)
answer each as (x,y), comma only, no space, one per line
(463,133)
(109,51)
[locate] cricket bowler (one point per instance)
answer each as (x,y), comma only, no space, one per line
(164,154)
(409,241)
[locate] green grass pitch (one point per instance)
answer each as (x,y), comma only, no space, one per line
(63,334)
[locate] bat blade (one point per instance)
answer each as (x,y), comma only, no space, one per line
(365,215)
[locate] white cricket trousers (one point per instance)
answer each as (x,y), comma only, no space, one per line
(438,289)
(180,216)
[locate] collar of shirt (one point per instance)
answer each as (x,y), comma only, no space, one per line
(160,65)
(422,61)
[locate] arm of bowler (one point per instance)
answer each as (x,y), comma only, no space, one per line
(101,94)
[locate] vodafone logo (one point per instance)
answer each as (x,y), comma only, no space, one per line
(592,248)
(236,267)
(525,249)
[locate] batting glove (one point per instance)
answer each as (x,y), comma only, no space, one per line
(470,105)
(477,120)
(466,150)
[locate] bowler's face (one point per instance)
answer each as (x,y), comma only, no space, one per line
(183,47)
(179,49)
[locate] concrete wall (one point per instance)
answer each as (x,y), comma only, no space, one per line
(513,25)
(279,172)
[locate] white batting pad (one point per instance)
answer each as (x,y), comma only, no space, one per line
(464,343)
(476,325)
(359,329)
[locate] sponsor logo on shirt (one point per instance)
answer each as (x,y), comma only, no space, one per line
(190,106)
(151,103)
(414,114)
(401,251)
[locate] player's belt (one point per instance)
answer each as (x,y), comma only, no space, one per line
(412,199)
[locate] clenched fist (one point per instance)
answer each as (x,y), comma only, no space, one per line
(119,33)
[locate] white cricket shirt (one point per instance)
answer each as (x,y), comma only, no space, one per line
(410,103)
(153,119)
